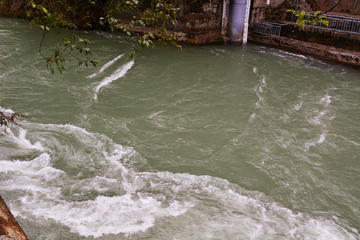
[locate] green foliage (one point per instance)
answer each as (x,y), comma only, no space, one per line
(304,18)
(148,25)
(135,20)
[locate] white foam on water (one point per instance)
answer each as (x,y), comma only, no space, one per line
(263,82)
(153,115)
(20,138)
(252,117)
(99,184)
(224,207)
(29,167)
(137,212)
(106,66)
(6,111)
(215,53)
(298,106)
(2,57)
(317,119)
(350,141)
(23,142)
(115,76)
(118,199)
(326,100)
(106,215)
(295,55)
(322,137)
(259,89)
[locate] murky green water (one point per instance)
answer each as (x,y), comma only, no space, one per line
(215,142)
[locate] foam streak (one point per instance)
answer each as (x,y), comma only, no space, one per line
(106,66)
(116,75)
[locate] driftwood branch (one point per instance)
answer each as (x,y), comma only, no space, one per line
(10,119)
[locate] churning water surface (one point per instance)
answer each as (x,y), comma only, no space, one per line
(214,142)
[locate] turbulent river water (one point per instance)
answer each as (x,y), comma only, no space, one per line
(212,142)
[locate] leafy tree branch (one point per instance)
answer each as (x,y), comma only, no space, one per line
(147,22)
(304,18)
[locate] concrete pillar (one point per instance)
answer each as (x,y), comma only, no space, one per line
(237,20)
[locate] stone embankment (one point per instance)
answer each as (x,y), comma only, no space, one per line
(338,55)
(9,228)
(332,45)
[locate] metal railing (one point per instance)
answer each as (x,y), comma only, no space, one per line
(337,23)
(267,28)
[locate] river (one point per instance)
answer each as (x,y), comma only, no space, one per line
(211,142)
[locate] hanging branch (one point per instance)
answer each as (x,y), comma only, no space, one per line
(2,61)
(318,18)
(332,7)
(148,25)
(3,64)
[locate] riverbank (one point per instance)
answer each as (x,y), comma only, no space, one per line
(330,53)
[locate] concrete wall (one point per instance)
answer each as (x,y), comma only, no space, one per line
(346,57)
(199,21)
(323,36)
(275,9)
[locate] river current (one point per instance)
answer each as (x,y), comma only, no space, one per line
(211,142)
